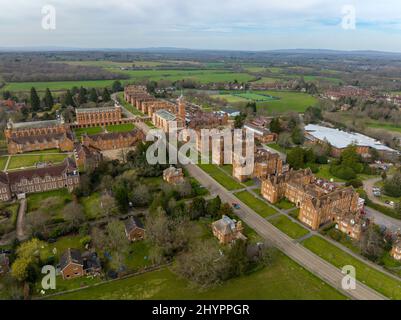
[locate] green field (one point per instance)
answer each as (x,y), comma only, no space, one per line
(282,280)
(255,204)
(384,126)
(92,130)
(222,178)
(284,204)
(253,96)
(289,227)
(56,85)
(373,278)
(30,160)
(3,161)
(92,206)
(288,101)
(126,127)
(51,202)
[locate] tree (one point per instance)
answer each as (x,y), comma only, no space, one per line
(197,208)
(35,101)
(108,204)
(297,136)
(284,140)
(372,242)
(48,100)
(213,206)
(106,95)
(117,86)
(275,125)
(239,120)
(312,115)
(251,107)
(392,186)
(93,95)
(73,213)
(68,99)
(295,158)
(19,268)
(82,96)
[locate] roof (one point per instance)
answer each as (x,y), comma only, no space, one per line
(91,110)
(341,139)
(71,256)
(36,124)
(91,261)
(225,225)
(132,223)
(39,138)
(166,115)
(114,135)
(55,170)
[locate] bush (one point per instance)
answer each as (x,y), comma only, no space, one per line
(343,172)
(321,159)
(356,183)
(313,166)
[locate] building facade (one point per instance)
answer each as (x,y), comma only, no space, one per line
(64,175)
(112,140)
(91,117)
(227,230)
(396,250)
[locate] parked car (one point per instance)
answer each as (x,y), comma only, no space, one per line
(236,206)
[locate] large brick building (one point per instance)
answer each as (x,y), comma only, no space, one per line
(319,201)
(38,135)
(112,140)
(227,230)
(91,117)
(64,175)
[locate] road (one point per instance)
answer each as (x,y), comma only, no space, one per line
(368,187)
(381,219)
(290,247)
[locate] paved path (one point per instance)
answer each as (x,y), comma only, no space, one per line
(21,220)
(368,187)
(381,219)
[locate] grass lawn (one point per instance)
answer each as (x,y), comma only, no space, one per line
(3,161)
(289,227)
(367,275)
(93,130)
(324,173)
(51,202)
(128,106)
(288,101)
(283,279)
(138,256)
(255,204)
(57,248)
(150,124)
(126,127)
(222,178)
(275,146)
(92,207)
(30,160)
(284,204)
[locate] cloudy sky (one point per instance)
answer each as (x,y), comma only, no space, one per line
(204,24)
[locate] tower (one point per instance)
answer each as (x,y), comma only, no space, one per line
(181,108)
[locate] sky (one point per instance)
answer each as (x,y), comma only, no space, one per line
(203,24)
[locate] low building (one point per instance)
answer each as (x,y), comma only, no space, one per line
(64,175)
(261,133)
(396,250)
(38,135)
(339,140)
(4,264)
(227,230)
(112,140)
(352,224)
(91,117)
(134,229)
(173,175)
(73,264)
(164,119)
(85,155)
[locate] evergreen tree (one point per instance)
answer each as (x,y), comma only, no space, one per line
(82,96)
(93,95)
(275,125)
(35,100)
(6,95)
(48,100)
(68,99)
(106,95)
(117,86)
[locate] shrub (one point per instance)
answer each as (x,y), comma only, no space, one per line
(343,172)
(356,183)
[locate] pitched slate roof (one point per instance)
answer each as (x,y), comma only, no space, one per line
(132,223)
(114,135)
(36,124)
(71,256)
(40,138)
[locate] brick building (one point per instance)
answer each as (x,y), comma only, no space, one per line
(319,201)
(261,133)
(134,229)
(85,155)
(64,175)
(163,119)
(227,230)
(73,264)
(112,140)
(38,135)
(91,117)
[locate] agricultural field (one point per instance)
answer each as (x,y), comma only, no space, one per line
(288,101)
(30,160)
(373,278)
(284,280)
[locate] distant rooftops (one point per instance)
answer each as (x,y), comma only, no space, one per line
(341,139)
(91,110)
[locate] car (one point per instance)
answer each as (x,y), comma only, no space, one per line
(236,206)
(391,203)
(51,240)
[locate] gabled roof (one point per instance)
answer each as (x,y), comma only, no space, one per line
(132,223)
(71,256)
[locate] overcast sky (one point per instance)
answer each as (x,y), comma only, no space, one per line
(203,24)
